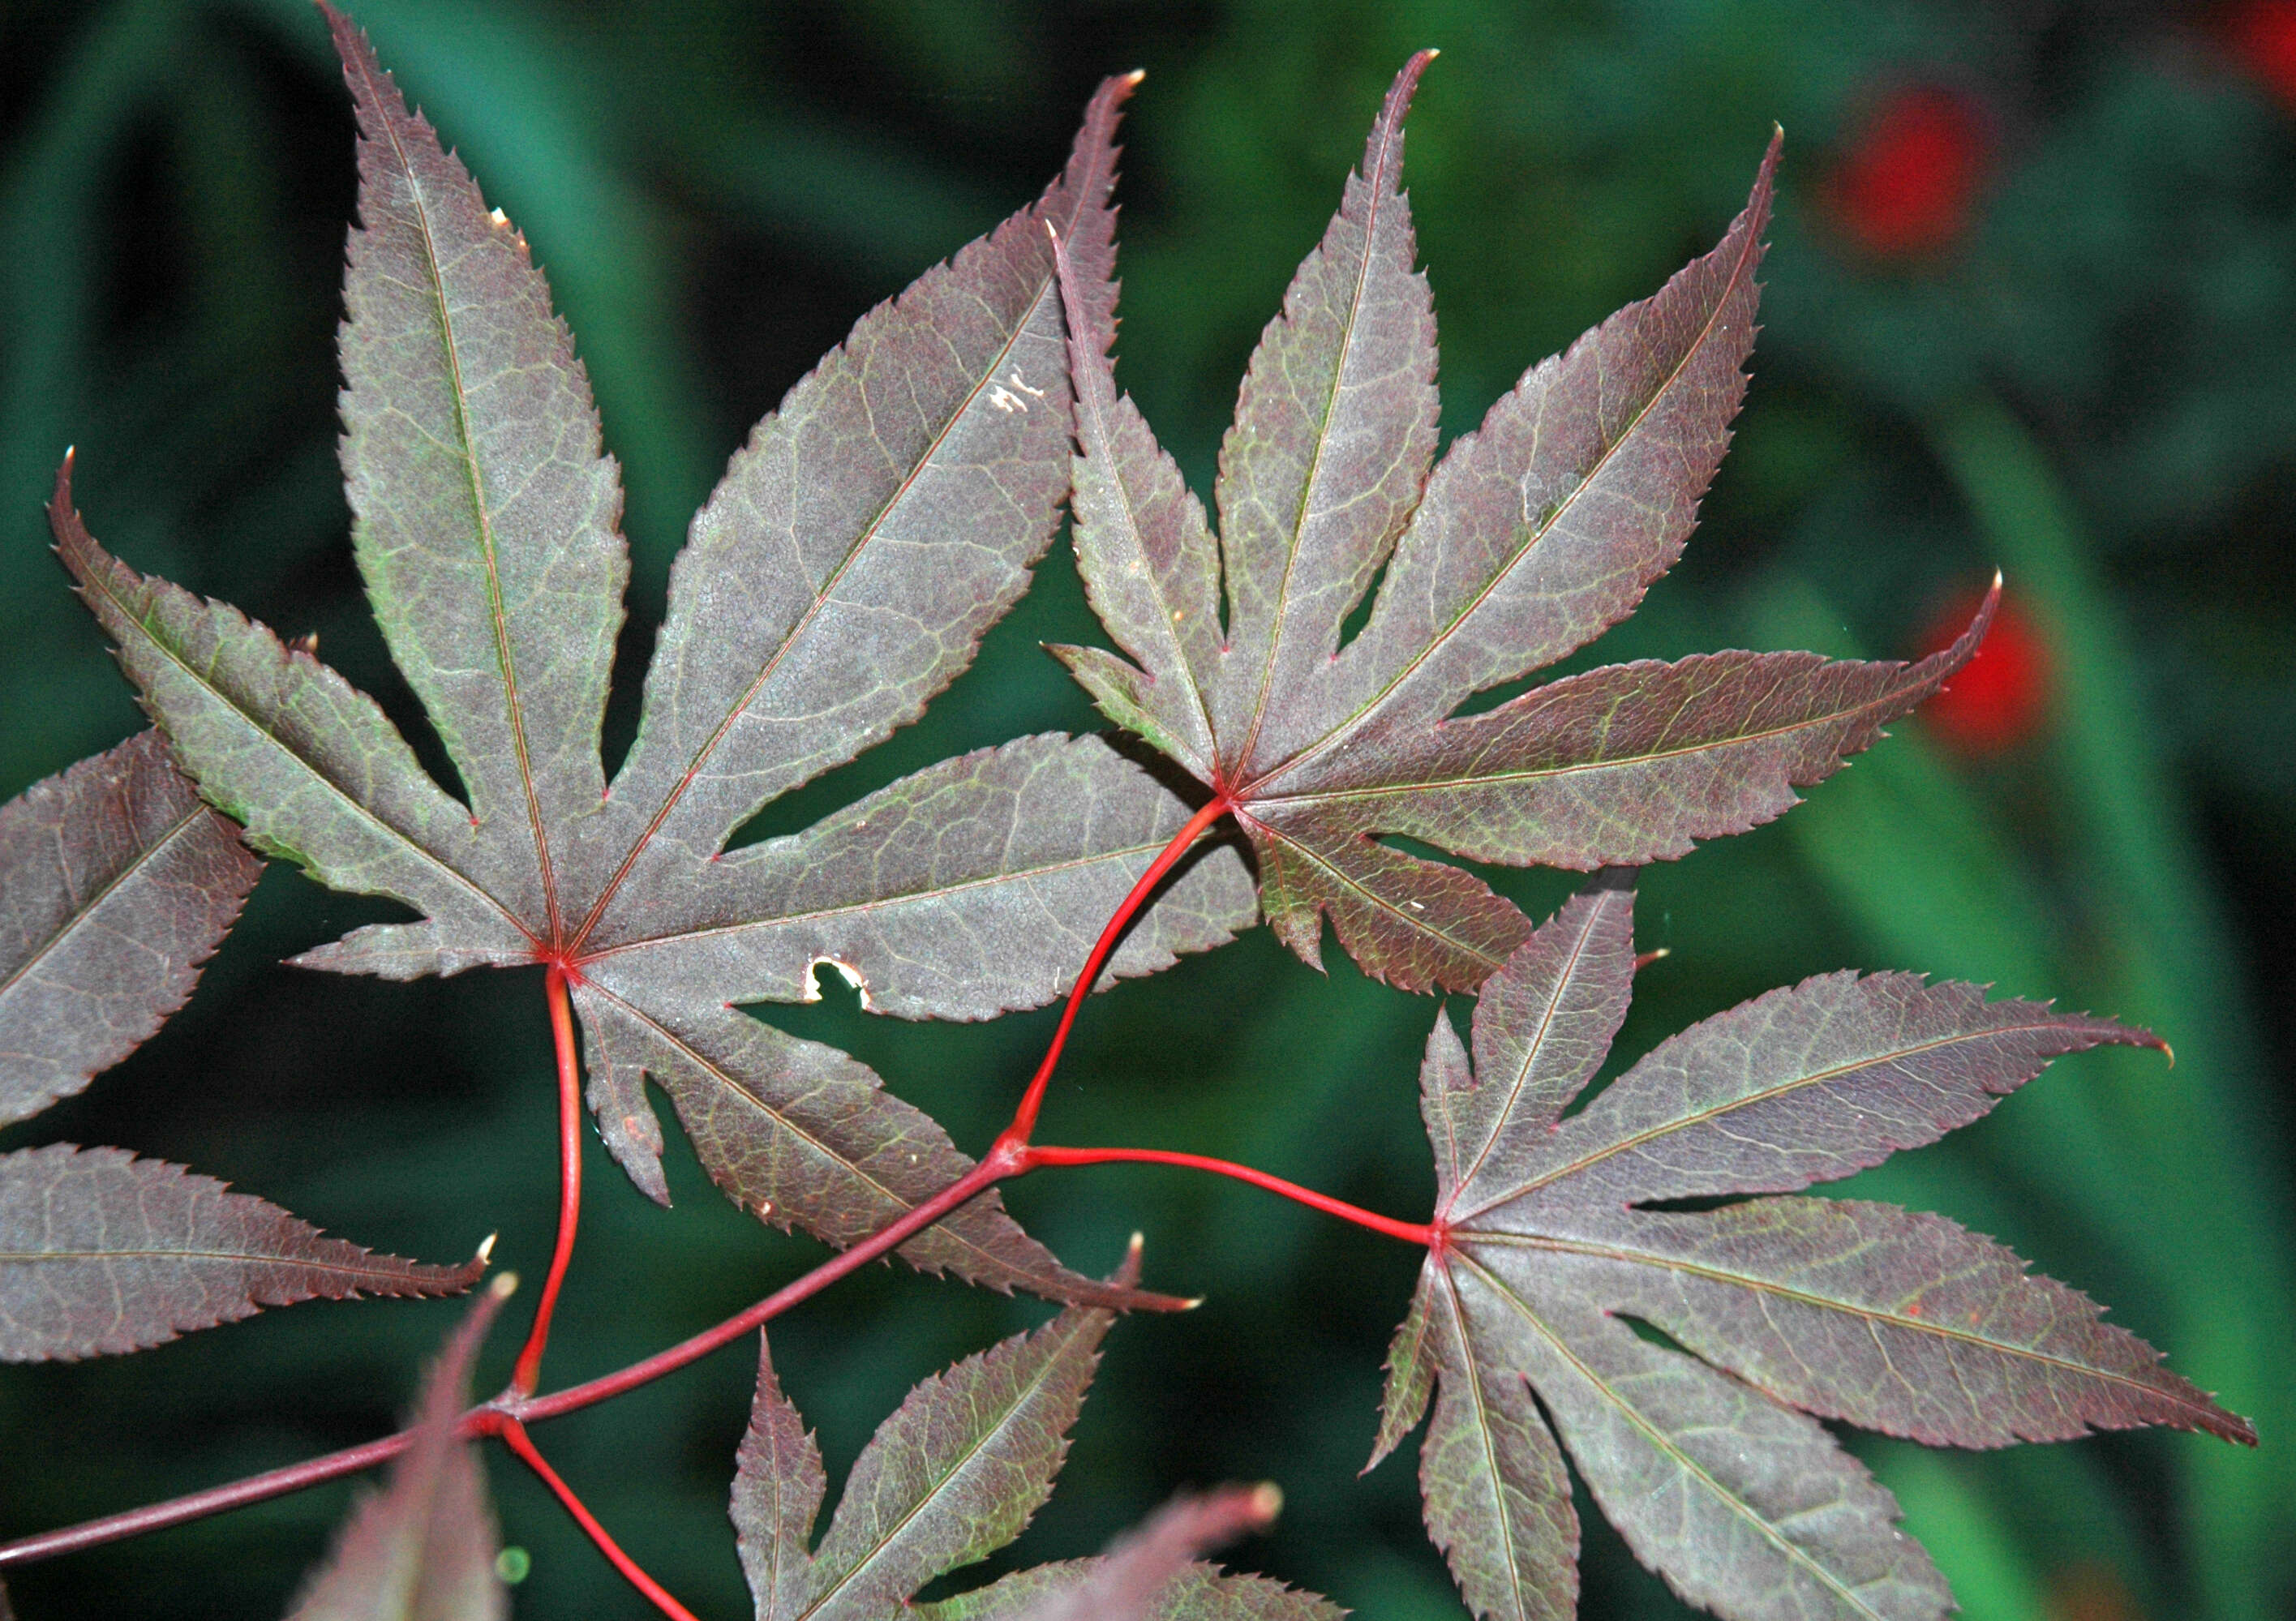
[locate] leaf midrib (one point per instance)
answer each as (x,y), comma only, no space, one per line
(96,579)
(813,610)
(1765,1094)
(907,898)
(1597,1250)
(940,1483)
(1546,1018)
(1623,762)
(1665,1443)
(88,908)
(989,1265)
(1350,885)
(1483,1435)
(380,97)
(25,1257)
(1352,724)
(1276,624)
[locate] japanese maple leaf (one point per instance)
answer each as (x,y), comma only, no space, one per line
(1533,535)
(116,884)
(953,1476)
(1702,1455)
(843,572)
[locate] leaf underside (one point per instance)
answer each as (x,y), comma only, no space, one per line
(119,884)
(1704,1454)
(1199,1592)
(116,884)
(102,1252)
(424,1548)
(1152,1569)
(1528,538)
(955,1473)
(842,573)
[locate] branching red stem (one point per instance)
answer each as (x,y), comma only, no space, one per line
(512,1409)
(528,1372)
(1410,1233)
(1000,1164)
(1024,1118)
(514,1436)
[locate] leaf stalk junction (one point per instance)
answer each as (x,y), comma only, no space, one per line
(507,1415)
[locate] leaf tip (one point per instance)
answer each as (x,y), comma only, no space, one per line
(504,1286)
(1398,97)
(487,1248)
(1128,1270)
(1264,1504)
(1949,662)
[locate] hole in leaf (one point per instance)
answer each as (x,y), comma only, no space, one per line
(841,979)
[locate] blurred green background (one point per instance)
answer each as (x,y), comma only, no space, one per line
(2032,305)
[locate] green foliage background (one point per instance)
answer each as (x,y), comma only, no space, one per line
(2094,390)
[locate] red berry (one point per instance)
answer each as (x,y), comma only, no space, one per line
(1906,184)
(2263,34)
(2001,697)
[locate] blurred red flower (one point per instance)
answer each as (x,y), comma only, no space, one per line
(2001,698)
(1907,183)
(2263,34)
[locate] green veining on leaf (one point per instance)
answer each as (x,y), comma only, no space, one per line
(496,617)
(1662,1442)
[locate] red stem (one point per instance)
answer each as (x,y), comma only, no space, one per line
(1001,1163)
(199,1505)
(514,1408)
(528,1372)
(514,1436)
(1024,1118)
(1410,1233)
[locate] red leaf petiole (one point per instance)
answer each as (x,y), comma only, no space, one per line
(514,1436)
(1024,1117)
(1410,1233)
(528,1370)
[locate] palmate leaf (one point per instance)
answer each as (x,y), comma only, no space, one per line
(424,1548)
(1532,535)
(1886,1318)
(842,574)
(953,1476)
(116,884)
